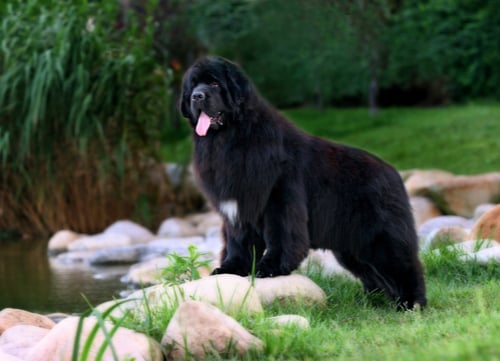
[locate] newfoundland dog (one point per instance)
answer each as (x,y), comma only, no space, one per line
(281,191)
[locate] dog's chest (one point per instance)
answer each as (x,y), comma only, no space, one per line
(223,169)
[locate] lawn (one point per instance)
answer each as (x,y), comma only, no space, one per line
(462,320)
(461,139)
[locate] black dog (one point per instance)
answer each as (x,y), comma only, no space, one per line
(282,191)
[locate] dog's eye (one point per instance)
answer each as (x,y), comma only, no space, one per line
(214,84)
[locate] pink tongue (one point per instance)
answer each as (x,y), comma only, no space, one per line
(203,124)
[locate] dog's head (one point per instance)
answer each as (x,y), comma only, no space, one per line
(213,92)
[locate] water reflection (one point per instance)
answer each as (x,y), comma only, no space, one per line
(32,281)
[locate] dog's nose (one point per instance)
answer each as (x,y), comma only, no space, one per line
(198,96)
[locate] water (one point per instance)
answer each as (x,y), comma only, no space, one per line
(32,281)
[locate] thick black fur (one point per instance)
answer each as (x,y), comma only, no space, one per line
(294,191)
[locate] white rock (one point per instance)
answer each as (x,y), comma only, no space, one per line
(198,329)
(6,357)
(435,224)
(323,262)
(136,232)
(290,321)
(177,227)
(19,340)
(60,241)
(293,288)
(100,241)
(58,344)
(117,255)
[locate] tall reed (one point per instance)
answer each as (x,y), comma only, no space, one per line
(82,107)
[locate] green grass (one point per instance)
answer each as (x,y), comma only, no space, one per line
(461,322)
(461,139)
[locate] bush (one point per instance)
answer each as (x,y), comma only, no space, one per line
(82,106)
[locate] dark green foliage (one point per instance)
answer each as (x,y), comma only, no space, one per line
(330,52)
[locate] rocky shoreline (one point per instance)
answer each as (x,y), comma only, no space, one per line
(463,211)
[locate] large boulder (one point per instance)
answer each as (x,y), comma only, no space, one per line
(136,232)
(293,288)
(461,195)
(198,329)
(233,294)
(100,241)
(19,340)
(417,181)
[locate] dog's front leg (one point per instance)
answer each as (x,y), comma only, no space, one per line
(285,234)
(241,245)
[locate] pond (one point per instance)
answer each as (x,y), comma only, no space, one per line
(33,281)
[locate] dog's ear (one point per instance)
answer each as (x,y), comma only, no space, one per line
(240,85)
(184,99)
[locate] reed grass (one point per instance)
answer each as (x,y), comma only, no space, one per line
(82,109)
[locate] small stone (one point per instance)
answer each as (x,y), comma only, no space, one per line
(484,256)
(293,288)
(146,273)
(198,329)
(323,262)
(11,317)
(60,241)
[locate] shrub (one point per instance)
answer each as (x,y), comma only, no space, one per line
(82,105)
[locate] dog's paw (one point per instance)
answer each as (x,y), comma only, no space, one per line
(267,269)
(223,269)
(219,271)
